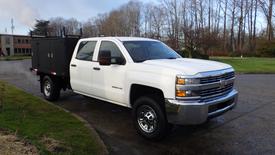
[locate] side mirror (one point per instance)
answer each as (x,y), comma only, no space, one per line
(104,58)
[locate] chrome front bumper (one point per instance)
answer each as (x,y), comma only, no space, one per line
(191,113)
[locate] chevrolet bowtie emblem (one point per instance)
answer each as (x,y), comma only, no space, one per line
(222,83)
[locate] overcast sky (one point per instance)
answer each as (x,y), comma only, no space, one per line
(24,12)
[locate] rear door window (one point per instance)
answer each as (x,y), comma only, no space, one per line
(86,50)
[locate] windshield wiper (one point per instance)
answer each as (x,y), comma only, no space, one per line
(139,61)
(171,58)
(143,60)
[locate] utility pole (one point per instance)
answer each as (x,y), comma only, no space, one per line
(12,26)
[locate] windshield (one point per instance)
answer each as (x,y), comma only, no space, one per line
(149,50)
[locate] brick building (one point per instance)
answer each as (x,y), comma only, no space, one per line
(11,45)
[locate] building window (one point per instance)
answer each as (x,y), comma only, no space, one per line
(8,40)
(18,41)
(23,51)
(15,50)
(19,50)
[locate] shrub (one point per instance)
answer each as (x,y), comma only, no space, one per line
(194,54)
(266,48)
(234,54)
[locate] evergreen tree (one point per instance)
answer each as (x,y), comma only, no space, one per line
(41,27)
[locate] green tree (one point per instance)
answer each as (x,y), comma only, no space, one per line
(41,27)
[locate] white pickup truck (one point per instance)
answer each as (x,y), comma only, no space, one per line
(146,75)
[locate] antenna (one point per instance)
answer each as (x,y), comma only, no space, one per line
(12,26)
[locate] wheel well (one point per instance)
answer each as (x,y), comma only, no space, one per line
(55,79)
(141,90)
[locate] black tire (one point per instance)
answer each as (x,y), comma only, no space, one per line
(148,113)
(50,89)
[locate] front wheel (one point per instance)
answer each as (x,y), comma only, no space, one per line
(50,88)
(149,118)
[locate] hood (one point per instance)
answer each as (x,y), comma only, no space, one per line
(189,66)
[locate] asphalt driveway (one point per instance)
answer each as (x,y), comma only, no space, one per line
(248,129)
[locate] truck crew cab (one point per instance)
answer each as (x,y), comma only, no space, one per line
(144,74)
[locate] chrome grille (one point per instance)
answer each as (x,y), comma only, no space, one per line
(212,79)
(211,93)
(210,86)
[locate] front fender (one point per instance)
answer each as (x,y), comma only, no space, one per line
(162,82)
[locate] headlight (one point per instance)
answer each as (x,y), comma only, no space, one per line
(181,83)
(185,93)
(187,81)
(181,93)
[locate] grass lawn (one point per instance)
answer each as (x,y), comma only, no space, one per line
(13,58)
(49,128)
(250,64)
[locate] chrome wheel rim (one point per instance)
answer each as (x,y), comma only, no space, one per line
(147,119)
(47,88)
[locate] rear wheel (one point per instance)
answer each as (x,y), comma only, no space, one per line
(50,88)
(149,118)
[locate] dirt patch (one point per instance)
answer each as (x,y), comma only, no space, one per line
(11,145)
(53,145)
